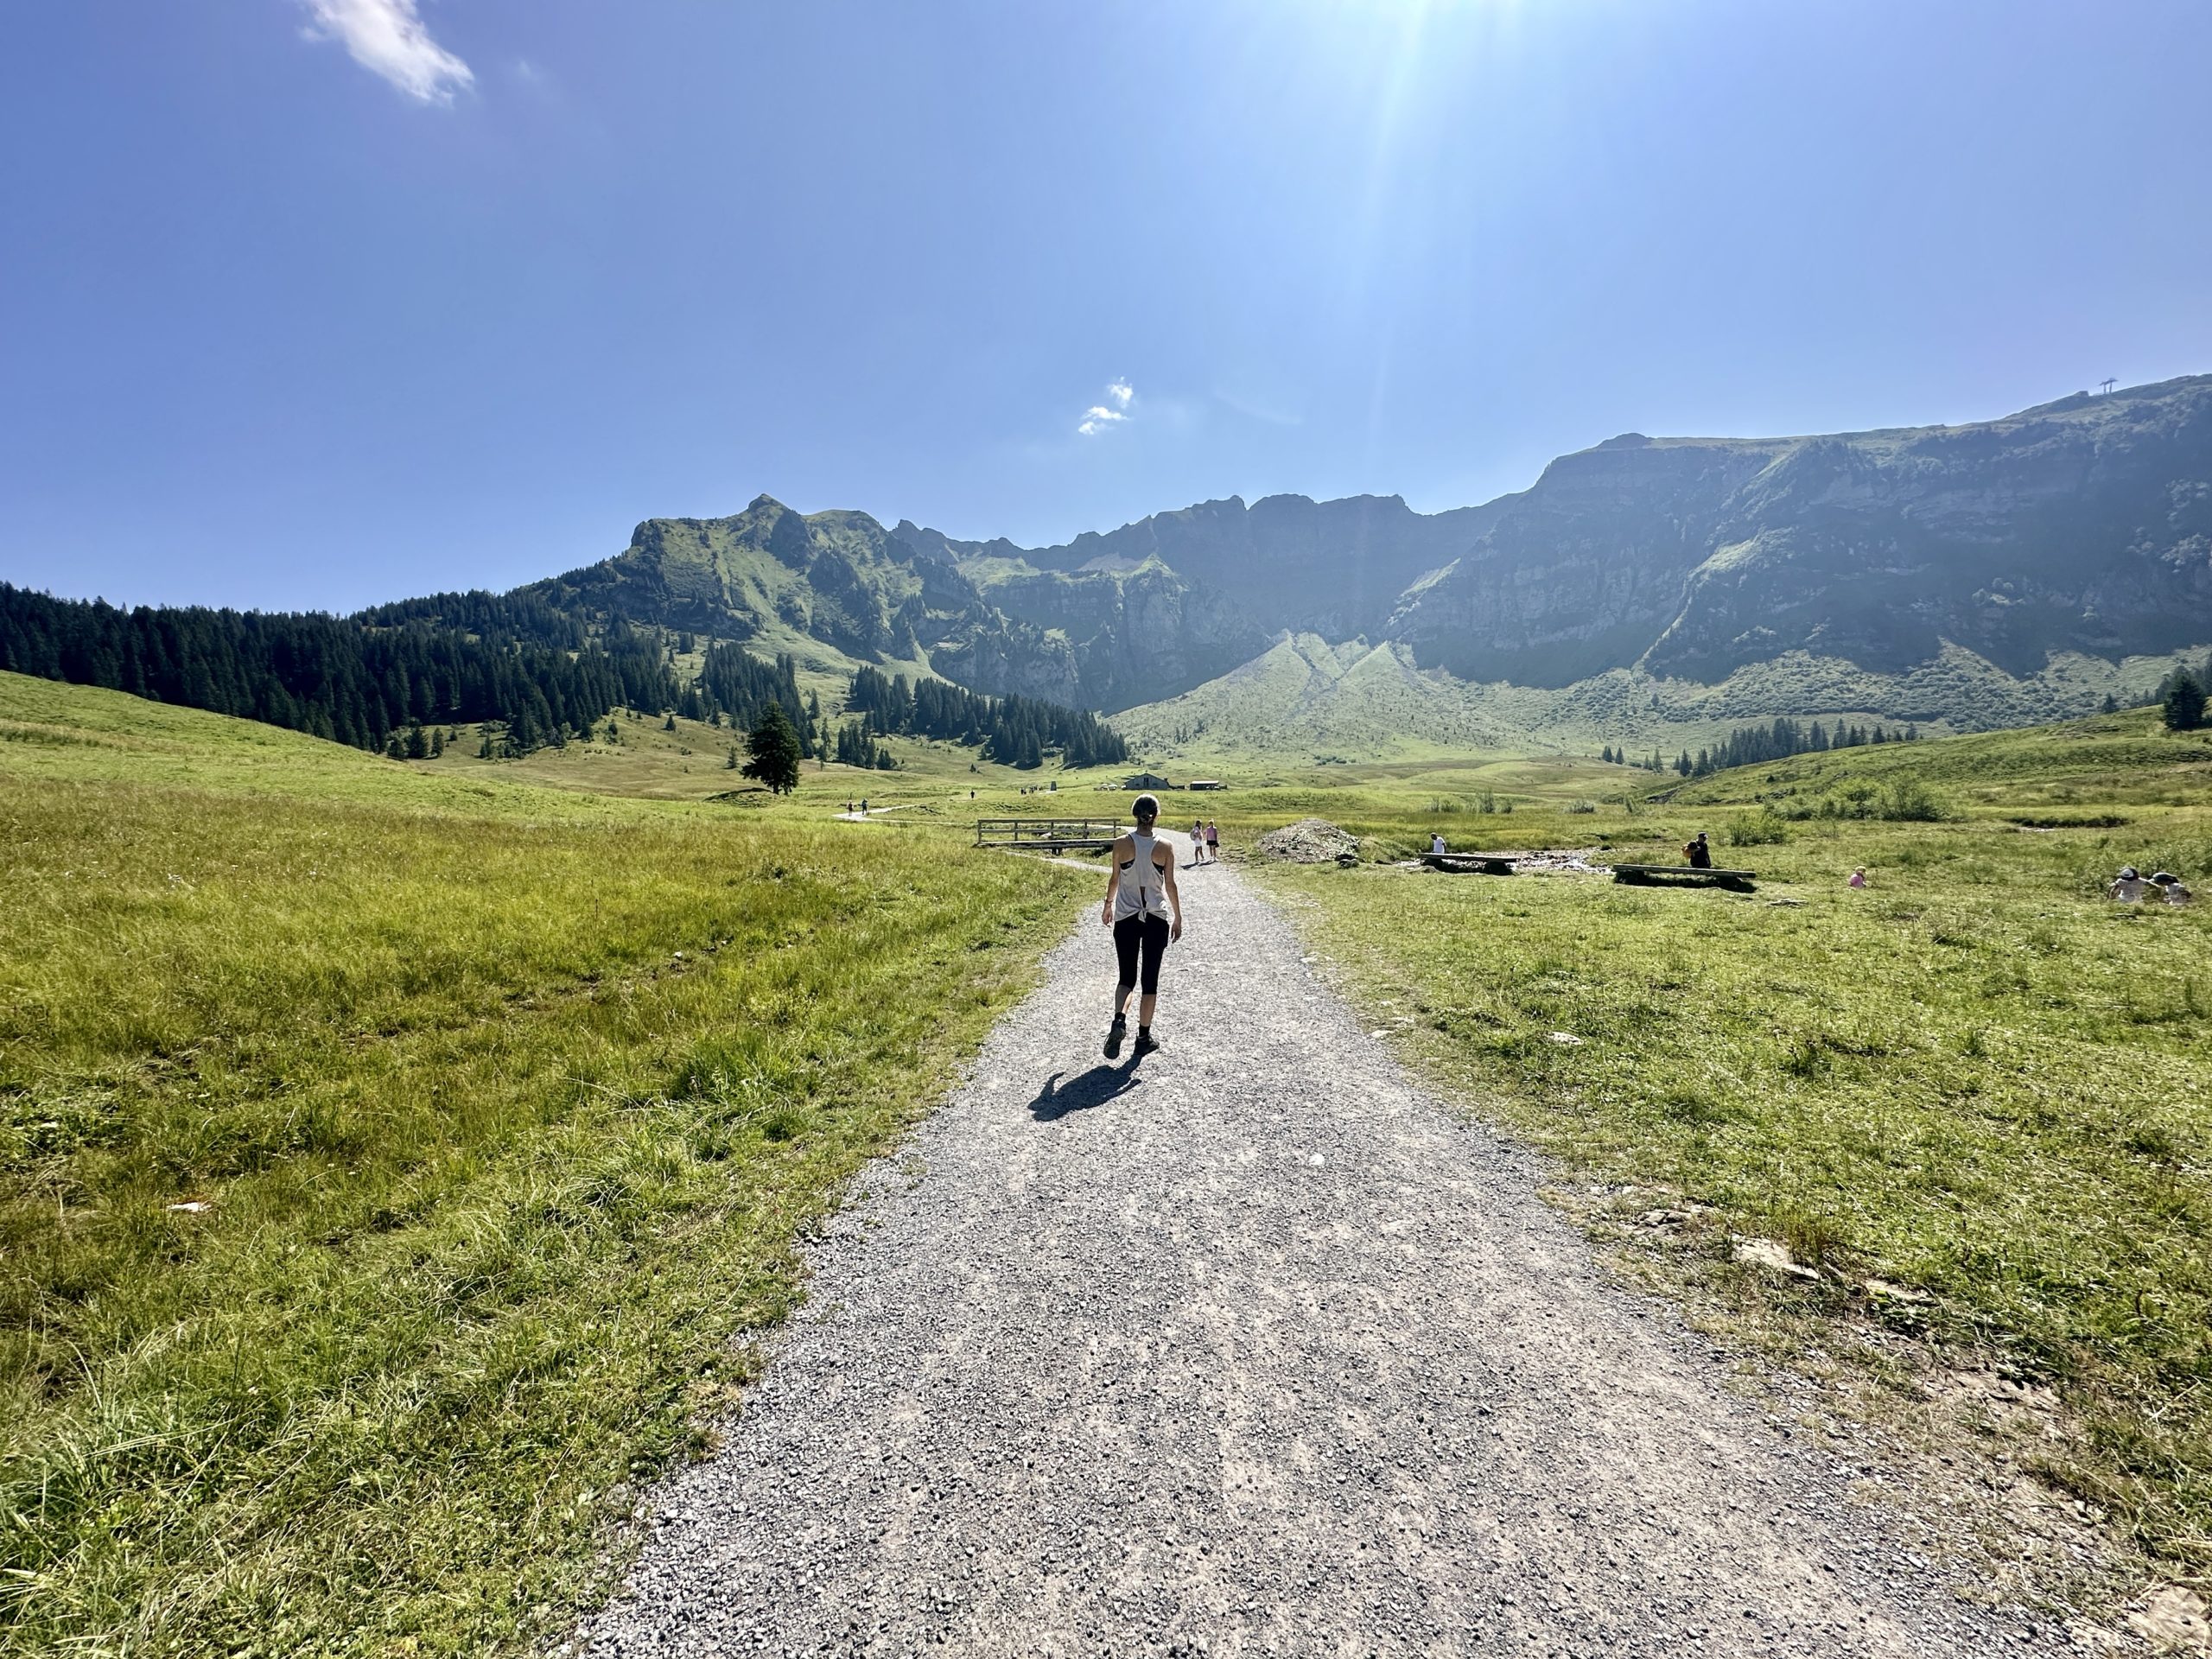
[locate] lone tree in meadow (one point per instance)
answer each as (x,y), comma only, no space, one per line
(2184,702)
(775,749)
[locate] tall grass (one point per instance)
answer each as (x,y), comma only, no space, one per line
(391,1169)
(1977,1077)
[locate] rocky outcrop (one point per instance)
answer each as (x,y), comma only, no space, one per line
(1135,634)
(1285,562)
(2084,525)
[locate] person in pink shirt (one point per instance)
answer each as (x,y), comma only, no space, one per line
(1858,878)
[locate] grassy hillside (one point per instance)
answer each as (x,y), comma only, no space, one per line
(2127,759)
(690,763)
(1971,1097)
(1304,699)
(393,1158)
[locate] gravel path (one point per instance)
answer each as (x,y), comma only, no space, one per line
(1253,1349)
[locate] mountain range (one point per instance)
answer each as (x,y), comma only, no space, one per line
(2064,552)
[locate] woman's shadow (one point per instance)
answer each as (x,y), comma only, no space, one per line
(1094,1088)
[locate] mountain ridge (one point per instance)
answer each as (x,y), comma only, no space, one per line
(2080,528)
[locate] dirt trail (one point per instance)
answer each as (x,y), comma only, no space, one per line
(1250,1349)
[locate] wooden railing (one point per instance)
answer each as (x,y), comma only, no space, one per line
(1048,834)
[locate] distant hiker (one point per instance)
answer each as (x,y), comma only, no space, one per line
(2171,885)
(1140,892)
(863,806)
(1197,842)
(1857,879)
(1213,843)
(1436,841)
(1699,855)
(2128,887)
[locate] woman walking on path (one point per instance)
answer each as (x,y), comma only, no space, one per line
(1140,892)
(1213,843)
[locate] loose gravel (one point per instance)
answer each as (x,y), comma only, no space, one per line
(1249,1348)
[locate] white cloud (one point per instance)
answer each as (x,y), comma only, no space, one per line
(388,38)
(1120,394)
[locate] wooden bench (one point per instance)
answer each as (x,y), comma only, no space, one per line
(1469,863)
(1639,874)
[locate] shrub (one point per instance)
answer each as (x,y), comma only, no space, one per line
(1905,800)
(1910,801)
(1764,829)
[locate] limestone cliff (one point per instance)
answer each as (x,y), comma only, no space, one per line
(2083,525)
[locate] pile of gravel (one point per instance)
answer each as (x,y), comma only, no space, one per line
(1310,841)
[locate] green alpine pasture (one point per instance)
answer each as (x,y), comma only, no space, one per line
(1977,1079)
(395,1159)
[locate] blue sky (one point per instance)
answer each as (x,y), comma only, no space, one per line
(316,302)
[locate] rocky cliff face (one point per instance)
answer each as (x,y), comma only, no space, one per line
(1332,567)
(2084,525)
(1136,634)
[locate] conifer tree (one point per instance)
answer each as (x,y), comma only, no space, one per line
(2184,702)
(775,750)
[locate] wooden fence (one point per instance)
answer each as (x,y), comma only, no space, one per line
(1049,835)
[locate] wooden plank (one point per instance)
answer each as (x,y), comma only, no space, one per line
(1680,872)
(1468,863)
(1686,870)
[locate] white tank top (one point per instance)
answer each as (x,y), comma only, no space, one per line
(1138,890)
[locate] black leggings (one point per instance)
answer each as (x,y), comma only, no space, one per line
(1151,933)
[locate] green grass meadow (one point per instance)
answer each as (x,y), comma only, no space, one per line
(395,1159)
(1977,1079)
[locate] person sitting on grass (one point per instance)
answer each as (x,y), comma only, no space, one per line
(2128,887)
(1436,841)
(1858,878)
(2171,885)
(1698,853)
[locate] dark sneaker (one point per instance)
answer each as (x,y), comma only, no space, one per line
(1113,1038)
(1147,1044)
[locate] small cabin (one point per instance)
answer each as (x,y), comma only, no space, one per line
(1206,783)
(1146,780)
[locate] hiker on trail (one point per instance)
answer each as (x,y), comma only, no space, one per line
(1213,843)
(1140,892)
(1699,855)
(2171,885)
(1436,841)
(2126,887)
(1198,843)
